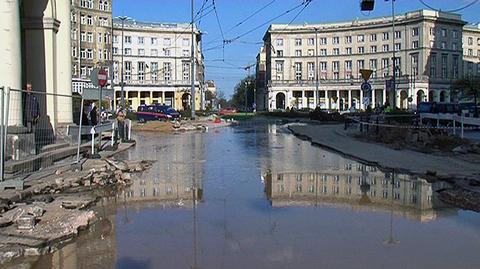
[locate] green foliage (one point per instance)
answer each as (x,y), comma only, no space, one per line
(468,87)
(246,85)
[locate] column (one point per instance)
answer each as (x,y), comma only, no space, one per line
(384,97)
(349,98)
(163,98)
(361,100)
(151,98)
(63,68)
(338,100)
(327,100)
(10,57)
(373,98)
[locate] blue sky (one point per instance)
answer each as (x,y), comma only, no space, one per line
(225,65)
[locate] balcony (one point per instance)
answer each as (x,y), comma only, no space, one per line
(405,79)
(147,83)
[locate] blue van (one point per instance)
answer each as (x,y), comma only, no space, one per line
(156,112)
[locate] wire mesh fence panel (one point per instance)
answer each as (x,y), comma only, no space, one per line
(37,131)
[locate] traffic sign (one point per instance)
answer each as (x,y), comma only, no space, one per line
(102,77)
(366,73)
(366,87)
(94,76)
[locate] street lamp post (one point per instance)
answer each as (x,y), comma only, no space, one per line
(317,68)
(394,99)
(122,92)
(192,58)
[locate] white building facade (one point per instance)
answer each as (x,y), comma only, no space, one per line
(319,64)
(157,64)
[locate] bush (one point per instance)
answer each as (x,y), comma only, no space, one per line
(323,115)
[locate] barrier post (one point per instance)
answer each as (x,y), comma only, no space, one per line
(79,139)
(94,155)
(461,131)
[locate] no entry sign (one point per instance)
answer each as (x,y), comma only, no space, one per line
(102,77)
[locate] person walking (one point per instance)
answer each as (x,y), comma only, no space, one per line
(93,115)
(31,109)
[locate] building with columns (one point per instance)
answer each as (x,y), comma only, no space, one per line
(156,64)
(312,65)
(36,48)
(471,49)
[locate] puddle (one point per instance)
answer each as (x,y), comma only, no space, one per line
(255,196)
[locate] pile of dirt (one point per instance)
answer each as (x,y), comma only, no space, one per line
(154,126)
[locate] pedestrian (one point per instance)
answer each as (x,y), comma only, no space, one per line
(93,115)
(121,124)
(31,109)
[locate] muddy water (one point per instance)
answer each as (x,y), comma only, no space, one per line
(258,197)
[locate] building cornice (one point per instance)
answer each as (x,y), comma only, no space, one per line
(39,23)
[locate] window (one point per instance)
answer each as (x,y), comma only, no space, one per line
(444,32)
(310,52)
(103,21)
(348,51)
(298,41)
(455,66)
(455,34)
(385,48)
(311,41)
(154,70)
(311,70)
(373,37)
(386,67)
(167,42)
(432,31)
(415,31)
(128,39)
(89,54)
(470,41)
(100,54)
(323,69)
(470,52)
(298,71)
(128,51)
(398,34)
(348,39)
(279,69)
(154,52)
(398,46)
(115,39)
(323,52)
(373,67)
(279,42)
(186,71)
(361,38)
(83,53)
(83,20)
(90,37)
(443,45)
(348,69)
(153,41)
(141,52)
(323,41)
(360,65)
(99,37)
(336,51)
(361,50)
(185,53)
(385,35)
(415,44)
(454,46)
(336,40)
(166,52)
(167,72)
(398,66)
(141,71)
(83,36)
(86,3)
(373,49)
(103,5)
(433,65)
(298,53)
(444,65)
(128,70)
(279,53)
(89,20)
(335,66)
(414,64)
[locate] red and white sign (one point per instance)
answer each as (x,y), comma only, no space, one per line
(102,77)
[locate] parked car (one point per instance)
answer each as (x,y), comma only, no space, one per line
(156,112)
(227,111)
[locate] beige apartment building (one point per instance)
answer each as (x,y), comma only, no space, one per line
(156,64)
(428,50)
(91,23)
(471,49)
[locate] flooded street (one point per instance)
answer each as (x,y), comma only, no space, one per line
(255,196)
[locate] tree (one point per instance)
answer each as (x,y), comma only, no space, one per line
(210,98)
(244,89)
(221,100)
(468,87)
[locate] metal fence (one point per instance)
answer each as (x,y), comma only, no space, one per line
(40,130)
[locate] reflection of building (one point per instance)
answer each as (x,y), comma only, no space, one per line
(428,47)
(355,186)
(261,86)
(156,63)
(91,22)
(171,179)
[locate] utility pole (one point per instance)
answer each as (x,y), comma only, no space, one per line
(393,100)
(317,68)
(192,58)
(122,92)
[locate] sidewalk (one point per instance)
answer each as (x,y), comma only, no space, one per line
(335,138)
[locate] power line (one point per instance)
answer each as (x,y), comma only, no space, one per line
(307,2)
(226,42)
(452,10)
(218,21)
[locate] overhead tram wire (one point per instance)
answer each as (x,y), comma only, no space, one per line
(298,14)
(257,27)
(196,18)
(452,10)
(241,22)
(219,26)
(201,11)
